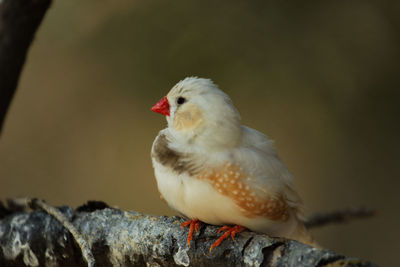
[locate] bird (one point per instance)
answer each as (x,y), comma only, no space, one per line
(212,169)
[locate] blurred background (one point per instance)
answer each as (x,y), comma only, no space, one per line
(319,77)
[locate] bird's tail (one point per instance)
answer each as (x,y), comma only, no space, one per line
(301,234)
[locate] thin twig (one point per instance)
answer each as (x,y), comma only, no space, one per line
(341,216)
(86,252)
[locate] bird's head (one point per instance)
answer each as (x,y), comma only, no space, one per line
(198,112)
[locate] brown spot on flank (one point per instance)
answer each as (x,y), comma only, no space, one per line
(230,181)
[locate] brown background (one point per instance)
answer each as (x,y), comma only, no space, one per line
(320,77)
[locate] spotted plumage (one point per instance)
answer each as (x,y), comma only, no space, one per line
(212,169)
(231,181)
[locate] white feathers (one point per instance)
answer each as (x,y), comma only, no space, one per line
(220,121)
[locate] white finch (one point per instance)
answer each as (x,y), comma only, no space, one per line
(214,170)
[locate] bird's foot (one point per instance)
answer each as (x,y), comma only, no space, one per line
(193,226)
(230,231)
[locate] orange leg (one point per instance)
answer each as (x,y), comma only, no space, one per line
(230,231)
(194,226)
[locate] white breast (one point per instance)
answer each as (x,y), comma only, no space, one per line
(194,198)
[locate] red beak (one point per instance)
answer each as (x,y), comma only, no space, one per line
(162,106)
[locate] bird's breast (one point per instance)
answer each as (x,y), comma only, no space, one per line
(195,198)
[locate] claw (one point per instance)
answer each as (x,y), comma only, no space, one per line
(223,228)
(193,226)
(230,231)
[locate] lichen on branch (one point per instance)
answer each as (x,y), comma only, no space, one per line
(128,238)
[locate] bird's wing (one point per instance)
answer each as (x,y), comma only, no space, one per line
(257,140)
(267,171)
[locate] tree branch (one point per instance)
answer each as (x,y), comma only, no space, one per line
(122,238)
(341,216)
(19,20)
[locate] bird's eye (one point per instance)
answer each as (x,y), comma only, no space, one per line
(180,100)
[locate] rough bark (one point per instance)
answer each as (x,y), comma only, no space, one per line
(128,238)
(19,20)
